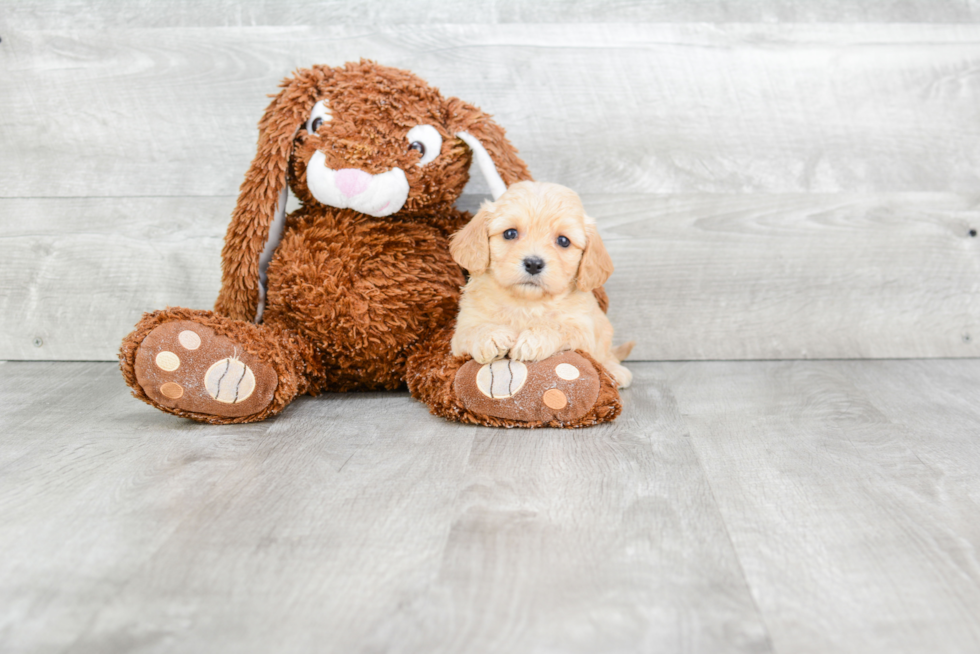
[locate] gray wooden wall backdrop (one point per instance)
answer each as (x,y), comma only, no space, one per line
(775,179)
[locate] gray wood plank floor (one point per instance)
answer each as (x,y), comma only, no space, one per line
(799,506)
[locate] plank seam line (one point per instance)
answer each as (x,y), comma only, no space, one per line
(724,523)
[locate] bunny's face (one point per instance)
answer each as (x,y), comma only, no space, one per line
(379,141)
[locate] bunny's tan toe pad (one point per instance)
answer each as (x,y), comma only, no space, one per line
(184,365)
(561,388)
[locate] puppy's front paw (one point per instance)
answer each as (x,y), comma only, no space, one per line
(493,345)
(536,344)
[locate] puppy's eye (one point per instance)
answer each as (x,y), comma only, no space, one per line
(425,140)
(510,234)
(319,115)
(563,241)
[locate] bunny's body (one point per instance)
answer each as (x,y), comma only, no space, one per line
(366,290)
(356,289)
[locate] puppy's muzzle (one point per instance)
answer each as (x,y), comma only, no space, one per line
(533,265)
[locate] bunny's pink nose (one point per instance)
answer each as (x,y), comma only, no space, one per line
(352,181)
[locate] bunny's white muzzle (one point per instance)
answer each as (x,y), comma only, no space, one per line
(349,188)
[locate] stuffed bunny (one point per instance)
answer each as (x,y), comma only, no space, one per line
(355,289)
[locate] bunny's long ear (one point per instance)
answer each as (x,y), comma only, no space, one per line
(494,154)
(258,218)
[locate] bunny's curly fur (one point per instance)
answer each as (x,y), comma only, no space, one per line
(354,301)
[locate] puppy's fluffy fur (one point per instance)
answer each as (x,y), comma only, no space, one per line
(507,309)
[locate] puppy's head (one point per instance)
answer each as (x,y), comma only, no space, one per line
(535,240)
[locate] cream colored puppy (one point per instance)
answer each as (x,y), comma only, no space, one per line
(534,259)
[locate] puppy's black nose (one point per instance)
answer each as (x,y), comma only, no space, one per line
(533,265)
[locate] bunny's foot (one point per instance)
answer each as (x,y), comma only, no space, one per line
(186,366)
(209,368)
(566,390)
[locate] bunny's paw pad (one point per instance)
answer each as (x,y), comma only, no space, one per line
(186,366)
(561,388)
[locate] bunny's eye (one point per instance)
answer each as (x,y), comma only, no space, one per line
(510,234)
(425,140)
(319,115)
(563,241)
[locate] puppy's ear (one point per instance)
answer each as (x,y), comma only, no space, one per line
(494,154)
(470,246)
(596,265)
(259,216)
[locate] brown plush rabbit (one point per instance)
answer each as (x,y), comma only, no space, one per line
(356,289)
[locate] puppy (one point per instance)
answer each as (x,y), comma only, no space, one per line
(534,259)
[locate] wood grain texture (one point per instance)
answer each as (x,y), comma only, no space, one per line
(589,541)
(697,277)
(604,108)
(795,276)
(78,273)
(353,523)
(854,534)
(62,14)
(803,506)
(264,536)
(703,148)
(949,443)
